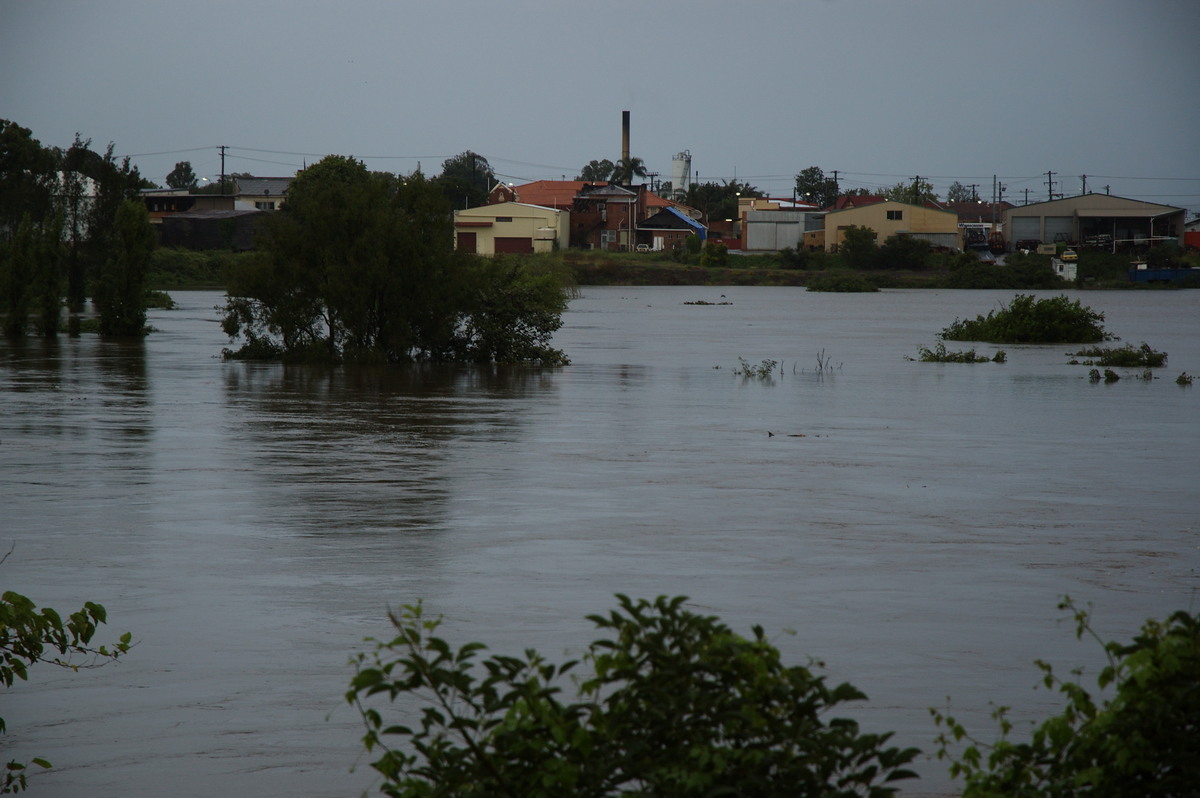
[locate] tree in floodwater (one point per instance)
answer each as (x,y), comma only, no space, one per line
(120,287)
(16,269)
(360,267)
(46,279)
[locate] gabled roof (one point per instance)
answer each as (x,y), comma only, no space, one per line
(670,219)
(975,211)
(855,201)
(611,190)
(550,193)
(561,193)
(1100,201)
(927,206)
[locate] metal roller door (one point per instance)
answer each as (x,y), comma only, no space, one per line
(1025,228)
(1058,228)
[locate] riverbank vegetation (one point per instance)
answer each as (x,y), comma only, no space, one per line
(72,226)
(360,267)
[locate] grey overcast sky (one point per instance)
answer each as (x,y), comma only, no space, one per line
(880,90)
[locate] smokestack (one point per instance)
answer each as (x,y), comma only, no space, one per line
(625,140)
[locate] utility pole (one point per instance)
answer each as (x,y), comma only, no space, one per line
(1050,183)
(222,149)
(917,190)
(974,193)
(1084,179)
(1026,196)
(1106,190)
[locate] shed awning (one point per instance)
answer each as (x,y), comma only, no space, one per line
(1126,213)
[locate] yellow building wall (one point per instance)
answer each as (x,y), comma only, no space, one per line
(913,219)
(545,226)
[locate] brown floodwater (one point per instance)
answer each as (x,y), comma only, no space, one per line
(911,525)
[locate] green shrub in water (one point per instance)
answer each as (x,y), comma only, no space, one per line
(1030,320)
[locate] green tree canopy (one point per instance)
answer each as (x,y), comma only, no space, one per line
(597,171)
(914,192)
(466,179)
(120,285)
(671,704)
(957,192)
(719,200)
(813,186)
(359,266)
(626,169)
(858,249)
(904,252)
(182,176)
(27,178)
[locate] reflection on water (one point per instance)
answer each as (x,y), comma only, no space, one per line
(913,524)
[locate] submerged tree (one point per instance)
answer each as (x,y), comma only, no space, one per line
(672,704)
(359,266)
(120,287)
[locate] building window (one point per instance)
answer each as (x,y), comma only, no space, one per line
(895,216)
(608,236)
(264,206)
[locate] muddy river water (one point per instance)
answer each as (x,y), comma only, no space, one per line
(911,525)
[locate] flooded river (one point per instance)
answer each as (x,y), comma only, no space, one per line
(912,525)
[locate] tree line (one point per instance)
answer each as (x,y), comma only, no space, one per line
(71,226)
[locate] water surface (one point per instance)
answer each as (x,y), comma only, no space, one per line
(912,525)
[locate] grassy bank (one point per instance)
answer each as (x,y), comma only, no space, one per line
(174,269)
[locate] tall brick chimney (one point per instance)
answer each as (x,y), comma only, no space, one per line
(625,140)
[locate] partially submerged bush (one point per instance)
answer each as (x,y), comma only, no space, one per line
(1030,320)
(1121,356)
(762,371)
(939,354)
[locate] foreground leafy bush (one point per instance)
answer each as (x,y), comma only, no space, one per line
(675,704)
(29,635)
(1141,740)
(1033,321)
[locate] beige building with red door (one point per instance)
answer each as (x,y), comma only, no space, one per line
(510,228)
(889,218)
